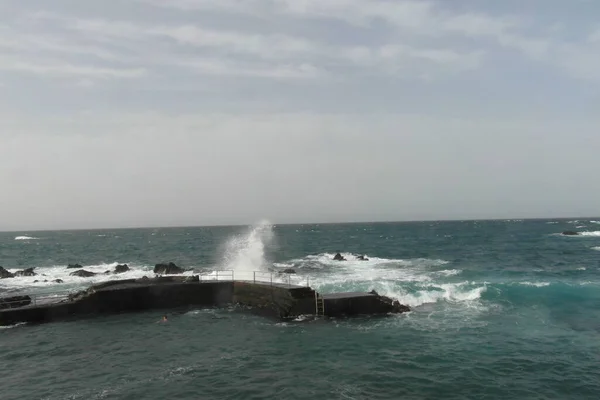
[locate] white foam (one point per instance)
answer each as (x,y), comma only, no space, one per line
(581,269)
(594,222)
(25,238)
(590,233)
(246,252)
(536,284)
(13,326)
(71,282)
(596,248)
(464,292)
(552,222)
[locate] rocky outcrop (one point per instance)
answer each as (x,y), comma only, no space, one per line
(288,271)
(25,272)
(168,269)
(74,266)
(362,258)
(570,233)
(339,257)
(5,274)
(14,302)
(82,273)
(121,268)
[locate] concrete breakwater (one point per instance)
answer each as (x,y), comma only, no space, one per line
(278,300)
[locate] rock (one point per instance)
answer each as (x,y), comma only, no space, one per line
(374,292)
(339,257)
(288,271)
(400,308)
(119,269)
(36,281)
(107,272)
(14,302)
(26,272)
(72,266)
(58,281)
(570,233)
(82,273)
(168,269)
(193,278)
(362,258)
(5,274)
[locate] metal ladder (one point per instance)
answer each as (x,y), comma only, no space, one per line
(319,305)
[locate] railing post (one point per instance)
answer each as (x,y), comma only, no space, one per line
(232,275)
(271,279)
(217,275)
(254,276)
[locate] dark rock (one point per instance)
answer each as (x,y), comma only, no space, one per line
(374,292)
(570,233)
(193,278)
(119,269)
(5,274)
(107,272)
(400,308)
(58,281)
(14,302)
(288,271)
(168,269)
(82,273)
(26,272)
(36,281)
(362,258)
(339,257)
(72,266)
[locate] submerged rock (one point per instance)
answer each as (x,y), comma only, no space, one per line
(121,268)
(82,273)
(168,269)
(25,272)
(570,233)
(288,271)
(5,274)
(73,266)
(362,258)
(58,281)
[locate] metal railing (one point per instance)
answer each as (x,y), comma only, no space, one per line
(256,277)
(20,299)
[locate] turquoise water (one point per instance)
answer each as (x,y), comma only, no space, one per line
(501,309)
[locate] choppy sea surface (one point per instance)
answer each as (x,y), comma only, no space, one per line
(501,310)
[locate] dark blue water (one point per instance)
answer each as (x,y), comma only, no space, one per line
(501,309)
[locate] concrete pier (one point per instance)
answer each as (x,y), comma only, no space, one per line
(278,300)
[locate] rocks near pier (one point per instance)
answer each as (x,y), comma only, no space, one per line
(24,272)
(168,269)
(5,274)
(570,233)
(82,273)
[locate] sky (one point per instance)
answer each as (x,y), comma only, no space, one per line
(131,113)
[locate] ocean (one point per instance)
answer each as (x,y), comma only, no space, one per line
(500,310)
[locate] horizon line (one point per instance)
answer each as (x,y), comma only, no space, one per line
(301,223)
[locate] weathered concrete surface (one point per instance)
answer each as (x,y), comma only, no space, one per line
(134,295)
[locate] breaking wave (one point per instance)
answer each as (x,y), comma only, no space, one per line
(25,238)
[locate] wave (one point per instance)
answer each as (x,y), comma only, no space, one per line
(26,238)
(13,326)
(590,233)
(46,277)
(594,222)
(596,248)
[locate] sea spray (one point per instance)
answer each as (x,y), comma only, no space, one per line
(246,253)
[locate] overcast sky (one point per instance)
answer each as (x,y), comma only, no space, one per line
(189,112)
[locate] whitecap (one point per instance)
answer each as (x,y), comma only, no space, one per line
(596,248)
(13,326)
(590,233)
(25,238)
(536,284)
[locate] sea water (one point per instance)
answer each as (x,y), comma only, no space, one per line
(501,310)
